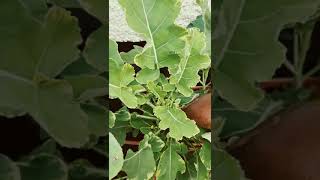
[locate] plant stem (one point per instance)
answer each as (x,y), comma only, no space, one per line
(150,104)
(290,67)
(146,117)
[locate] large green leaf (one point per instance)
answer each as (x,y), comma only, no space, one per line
(44,166)
(115,156)
(8,169)
(170,163)
(46,102)
(185,75)
(33,51)
(154,20)
(140,164)
(225,166)
(38,48)
(240,57)
(177,122)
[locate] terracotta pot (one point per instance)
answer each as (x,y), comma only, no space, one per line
(200,111)
(283,148)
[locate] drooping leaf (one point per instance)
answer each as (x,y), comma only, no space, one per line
(115,156)
(95,50)
(185,75)
(140,164)
(160,32)
(170,164)
(240,58)
(44,166)
(177,122)
(8,169)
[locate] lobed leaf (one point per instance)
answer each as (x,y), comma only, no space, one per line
(177,122)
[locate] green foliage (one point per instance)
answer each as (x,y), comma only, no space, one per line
(241,59)
(45,75)
(155,100)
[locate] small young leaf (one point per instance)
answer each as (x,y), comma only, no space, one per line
(177,122)
(120,76)
(115,156)
(185,75)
